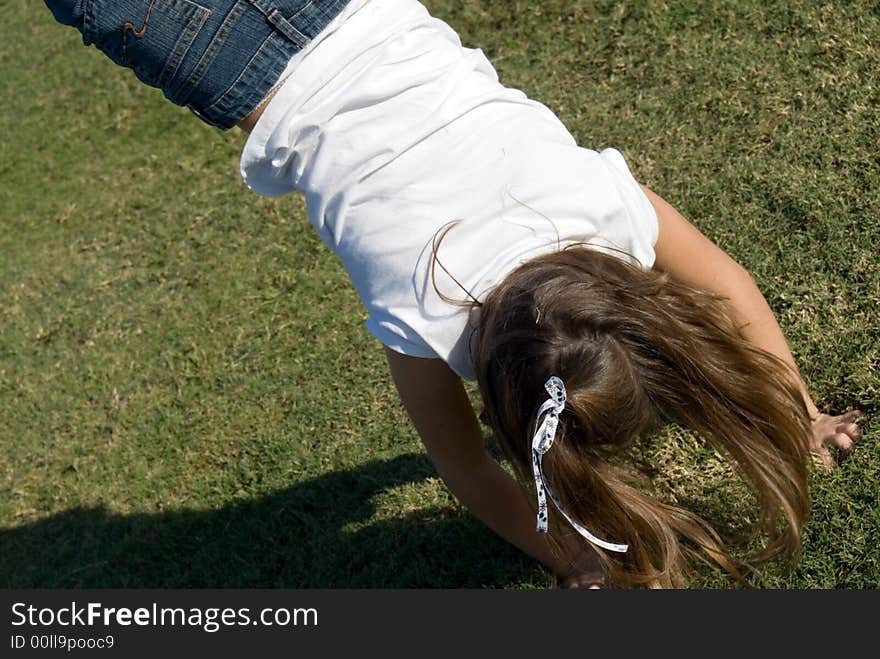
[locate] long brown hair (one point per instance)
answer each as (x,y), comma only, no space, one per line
(636,349)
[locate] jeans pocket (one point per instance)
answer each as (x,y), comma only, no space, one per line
(151,37)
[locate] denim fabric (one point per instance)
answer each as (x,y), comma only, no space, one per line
(219,58)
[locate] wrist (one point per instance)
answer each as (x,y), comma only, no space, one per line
(812,411)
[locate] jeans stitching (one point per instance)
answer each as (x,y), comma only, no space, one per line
(182,46)
(245,71)
(307,5)
(140,33)
(217,41)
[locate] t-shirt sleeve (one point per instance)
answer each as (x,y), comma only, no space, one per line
(644,227)
(398,336)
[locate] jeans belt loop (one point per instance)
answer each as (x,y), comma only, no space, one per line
(277,20)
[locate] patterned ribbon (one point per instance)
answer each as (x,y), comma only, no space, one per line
(541,443)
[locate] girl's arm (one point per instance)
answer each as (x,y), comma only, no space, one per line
(690,257)
(439,407)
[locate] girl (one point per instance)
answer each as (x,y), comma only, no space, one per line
(487,245)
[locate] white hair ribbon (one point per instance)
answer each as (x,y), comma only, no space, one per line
(541,443)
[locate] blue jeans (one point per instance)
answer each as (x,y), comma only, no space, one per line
(219,58)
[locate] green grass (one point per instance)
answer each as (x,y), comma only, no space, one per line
(189,398)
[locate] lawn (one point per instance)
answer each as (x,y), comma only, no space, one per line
(189,397)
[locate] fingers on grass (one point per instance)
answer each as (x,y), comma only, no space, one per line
(585,581)
(842,442)
(851,417)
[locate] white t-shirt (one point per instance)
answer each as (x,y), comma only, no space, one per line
(393,130)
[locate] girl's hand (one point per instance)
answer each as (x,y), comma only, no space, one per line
(582,581)
(840,431)
(585,572)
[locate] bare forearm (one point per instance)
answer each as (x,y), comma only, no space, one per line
(758,323)
(692,259)
(440,409)
(497,500)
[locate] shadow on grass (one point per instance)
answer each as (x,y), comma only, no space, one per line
(296,538)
